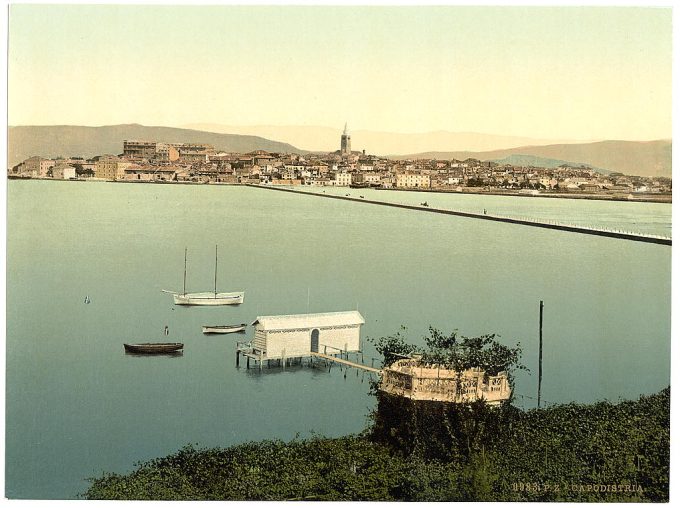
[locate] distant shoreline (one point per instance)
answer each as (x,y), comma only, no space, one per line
(645,198)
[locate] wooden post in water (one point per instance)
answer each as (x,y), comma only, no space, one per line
(215,271)
(540,352)
(184,287)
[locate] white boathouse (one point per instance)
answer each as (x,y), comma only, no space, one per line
(298,335)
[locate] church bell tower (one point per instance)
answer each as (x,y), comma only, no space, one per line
(345,143)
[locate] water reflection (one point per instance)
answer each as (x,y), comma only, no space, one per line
(317,368)
(173,354)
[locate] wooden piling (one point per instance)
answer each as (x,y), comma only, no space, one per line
(540,352)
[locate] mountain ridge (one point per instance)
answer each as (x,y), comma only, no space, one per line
(641,158)
(88,141)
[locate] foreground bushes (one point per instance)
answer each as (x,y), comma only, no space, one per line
(433,452)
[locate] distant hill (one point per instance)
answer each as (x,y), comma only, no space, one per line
(541,162)
(641,158)
(327,139)
(71,140)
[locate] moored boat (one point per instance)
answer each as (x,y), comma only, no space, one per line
(225,328)
(151,348)
(208,298)
(205,298)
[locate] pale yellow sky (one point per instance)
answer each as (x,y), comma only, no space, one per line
(543,72)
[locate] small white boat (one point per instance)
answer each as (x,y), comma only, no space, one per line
(205,298)
(225,328)
(208,298)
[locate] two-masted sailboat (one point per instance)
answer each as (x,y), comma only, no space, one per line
(205,298)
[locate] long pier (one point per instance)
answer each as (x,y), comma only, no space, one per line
(509,220)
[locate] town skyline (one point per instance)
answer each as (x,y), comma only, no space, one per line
(586,73)
(144,161)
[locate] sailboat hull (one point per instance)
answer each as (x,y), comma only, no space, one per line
(209,298)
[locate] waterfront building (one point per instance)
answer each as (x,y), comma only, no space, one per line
(110,167)
(286,181)
(84,166)
(387,181)
(548,182)
(319,181)
(63,172)
(369,178)
(345,143)
(343,179)
(35,167)
(412,179)
(413,379)
(301,334)
(140,173)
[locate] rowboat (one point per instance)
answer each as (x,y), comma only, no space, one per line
(151,348)
(225,328)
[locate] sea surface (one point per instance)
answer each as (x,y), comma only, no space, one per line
(632,217)
(77,405)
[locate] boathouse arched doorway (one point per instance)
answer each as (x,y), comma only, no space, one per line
(315,341)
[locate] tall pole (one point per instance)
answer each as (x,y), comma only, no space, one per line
(215,271)
(185,271)
(540,352)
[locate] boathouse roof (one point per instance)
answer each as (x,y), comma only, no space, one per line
(322,320)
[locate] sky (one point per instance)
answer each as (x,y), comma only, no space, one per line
(544,72)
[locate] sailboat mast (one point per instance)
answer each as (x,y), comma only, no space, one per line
(215,271)
(185,271)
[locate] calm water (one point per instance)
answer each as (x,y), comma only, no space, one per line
(77,405)
(634,217)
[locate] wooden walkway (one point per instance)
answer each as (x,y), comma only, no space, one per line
(345,362)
